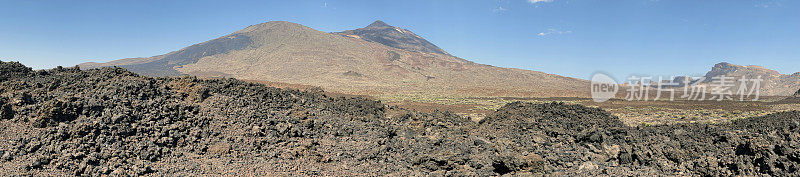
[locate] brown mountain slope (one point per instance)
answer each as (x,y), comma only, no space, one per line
(774,83)
(291,53)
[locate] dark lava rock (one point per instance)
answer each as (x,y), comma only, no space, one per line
(68,122)
(13,70)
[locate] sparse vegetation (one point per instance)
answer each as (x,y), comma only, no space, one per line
(632,113)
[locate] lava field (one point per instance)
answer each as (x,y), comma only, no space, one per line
(109,121)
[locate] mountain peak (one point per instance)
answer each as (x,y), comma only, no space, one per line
(395,37)
(729,66)
(725,67)
(724,64)
(378,24)
(278,25)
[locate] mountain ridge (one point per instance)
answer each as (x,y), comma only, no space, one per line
(774,83)
(291,53)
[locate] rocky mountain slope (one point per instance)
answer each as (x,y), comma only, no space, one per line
(375,60)
(391,36)
(110,121)
(774,83)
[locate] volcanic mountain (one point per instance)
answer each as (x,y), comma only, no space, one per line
(376,60)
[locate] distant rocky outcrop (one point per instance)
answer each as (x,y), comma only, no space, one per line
(728,69)
(681,81)
(792,99)
(773,84)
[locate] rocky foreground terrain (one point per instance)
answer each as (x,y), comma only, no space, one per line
(110,121)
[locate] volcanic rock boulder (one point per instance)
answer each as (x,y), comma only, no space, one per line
(13,70)
(55,111)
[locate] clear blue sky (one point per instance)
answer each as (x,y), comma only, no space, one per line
(568,37)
